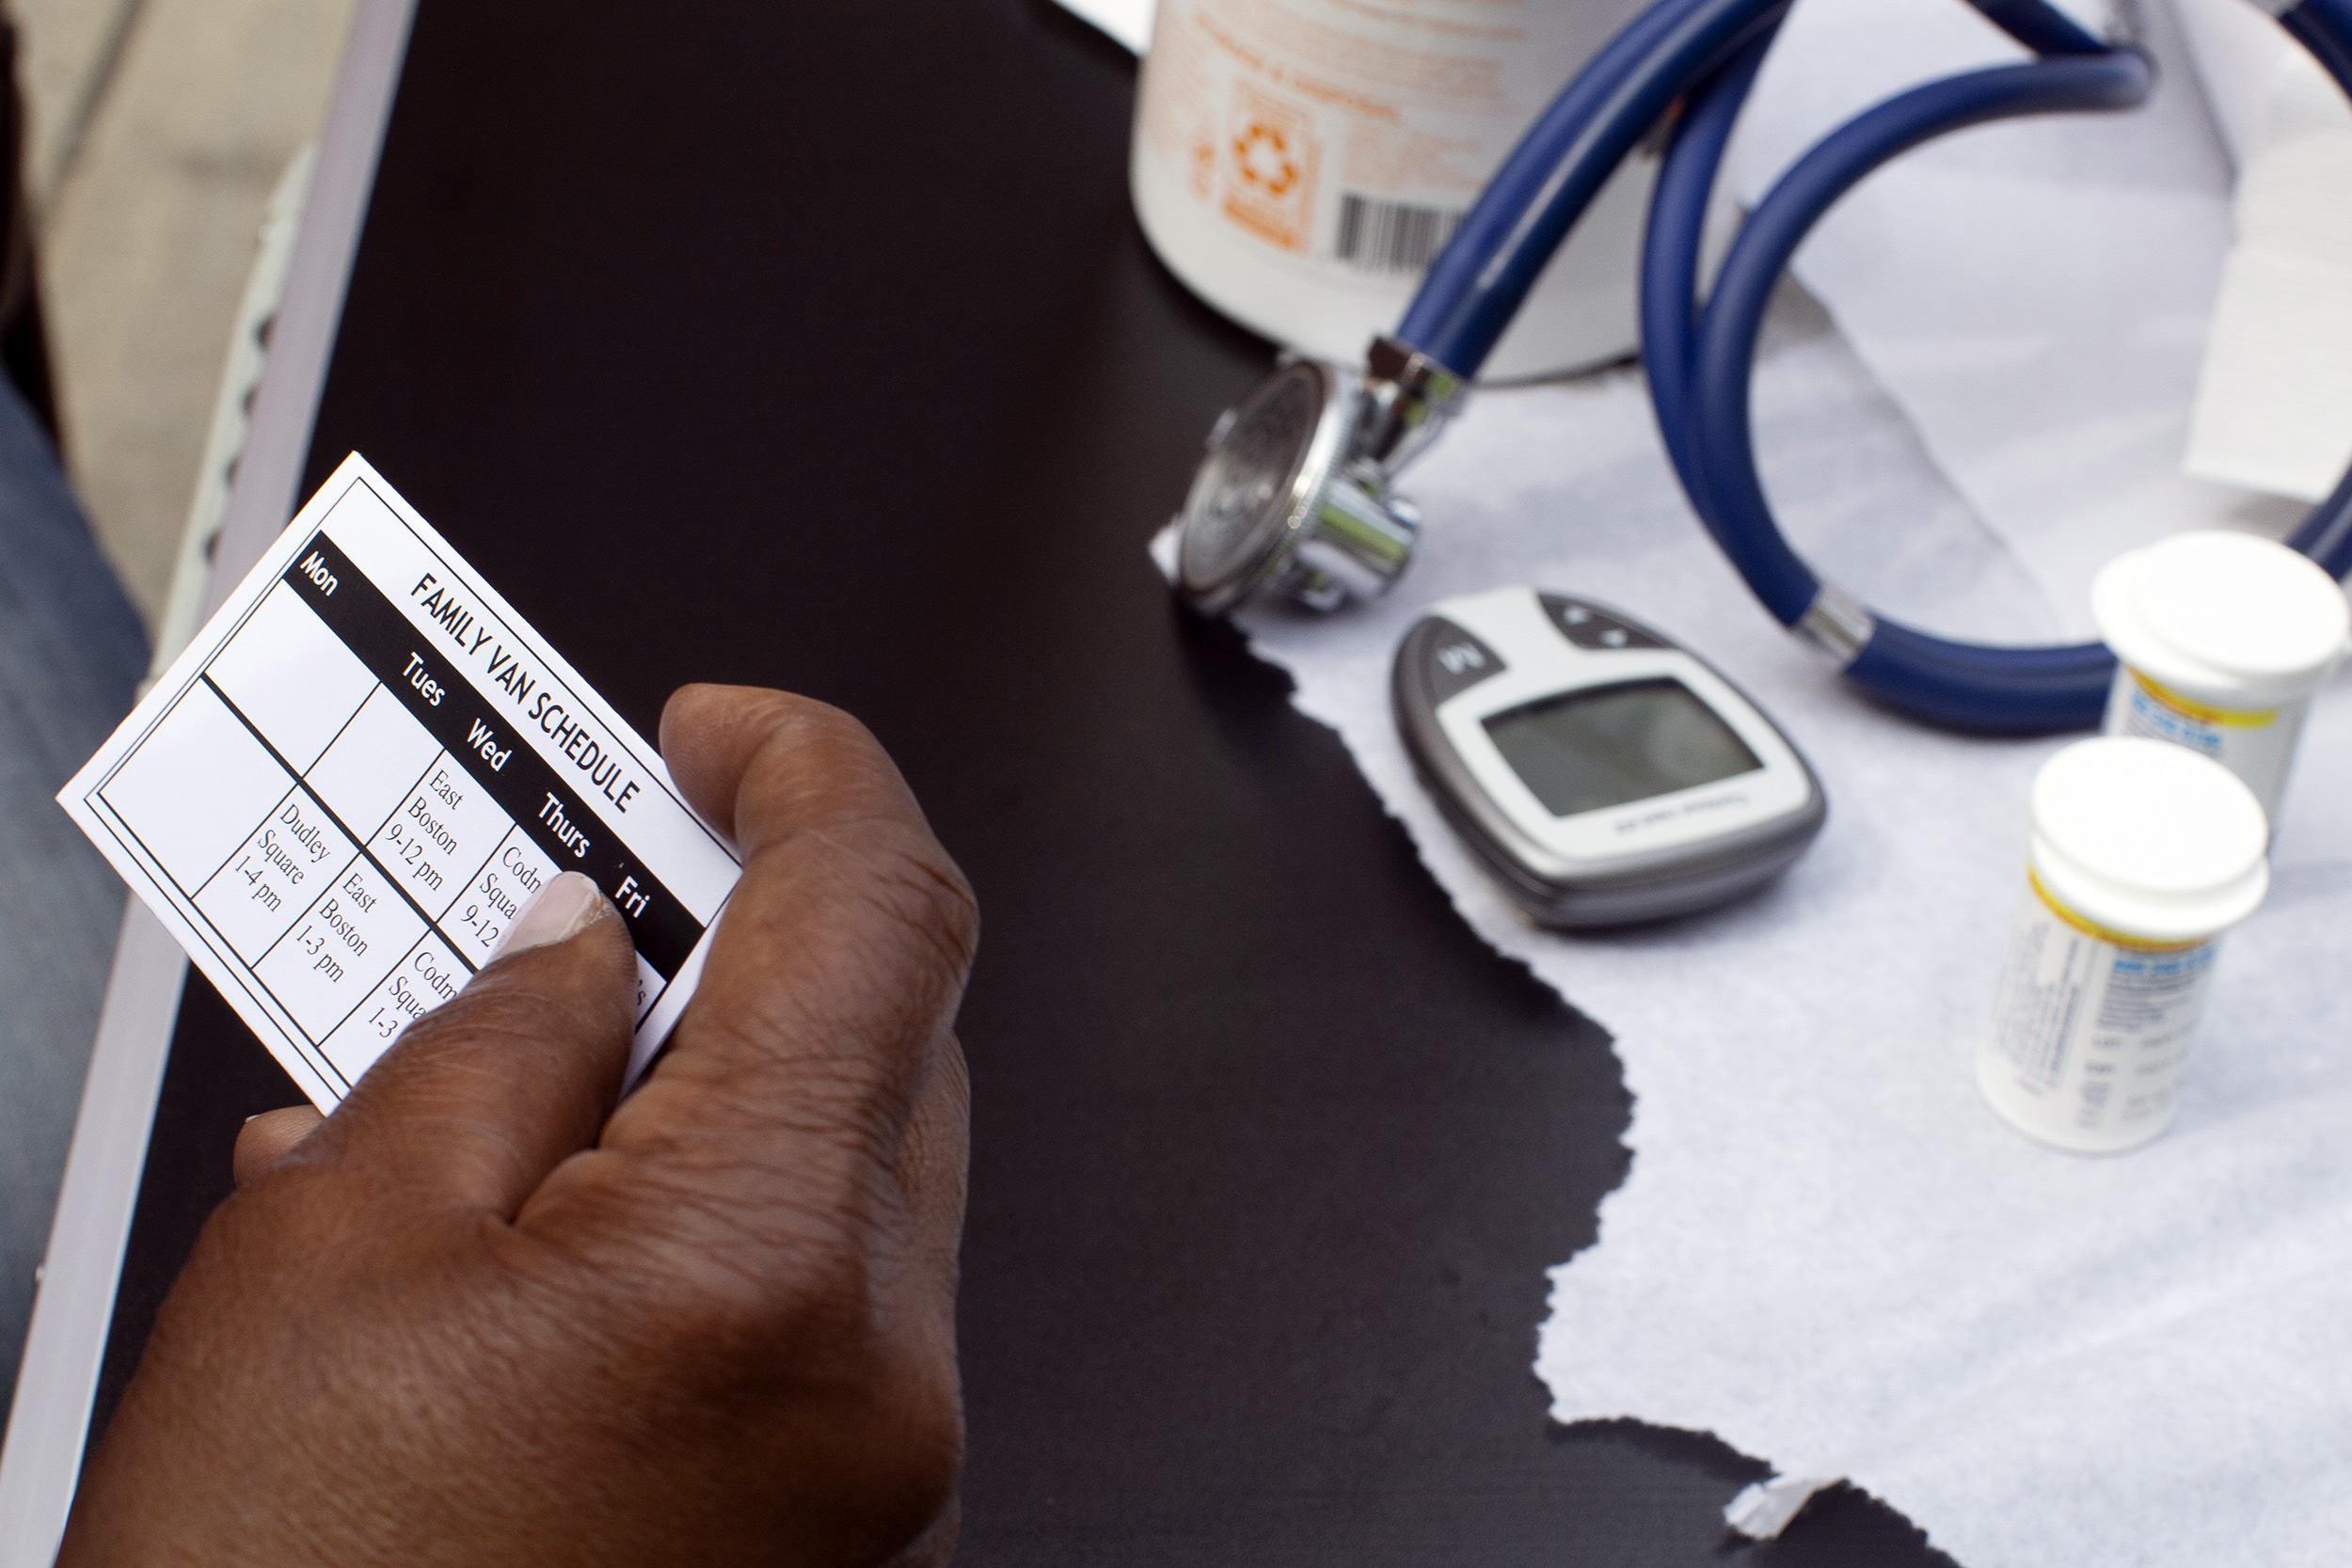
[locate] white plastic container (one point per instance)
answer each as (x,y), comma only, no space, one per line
(2143,853)
(1298,162)
(2223,639)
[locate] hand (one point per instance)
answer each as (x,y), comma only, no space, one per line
(479,1315)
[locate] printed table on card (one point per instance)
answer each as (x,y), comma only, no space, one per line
(343,794)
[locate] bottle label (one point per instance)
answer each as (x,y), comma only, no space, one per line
(2091,1034)
(1351,137)
(2256,744)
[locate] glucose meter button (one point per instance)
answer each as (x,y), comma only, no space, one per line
(1457,661)
(1590,627)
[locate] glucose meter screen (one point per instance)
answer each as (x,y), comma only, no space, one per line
(1612,744)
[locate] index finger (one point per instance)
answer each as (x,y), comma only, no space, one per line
(833,976)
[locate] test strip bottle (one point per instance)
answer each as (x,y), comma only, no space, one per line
(2221,639)
(2142,854)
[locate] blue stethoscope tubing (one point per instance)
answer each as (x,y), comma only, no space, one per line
(1705,54)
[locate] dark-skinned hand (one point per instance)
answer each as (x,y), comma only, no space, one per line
(489,1313)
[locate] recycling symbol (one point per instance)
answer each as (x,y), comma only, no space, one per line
(1262,154)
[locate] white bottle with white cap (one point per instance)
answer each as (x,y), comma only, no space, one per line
(2221,639)
(2142,854)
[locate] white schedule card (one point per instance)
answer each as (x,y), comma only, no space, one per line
(343,793)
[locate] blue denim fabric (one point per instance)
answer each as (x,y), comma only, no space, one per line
(71,653)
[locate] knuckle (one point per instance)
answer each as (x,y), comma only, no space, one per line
(771,1265)
(821,778)
(795,1267)
(807,739)
(886,929)
(925,893)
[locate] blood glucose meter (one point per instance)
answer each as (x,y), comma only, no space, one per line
(1603,774)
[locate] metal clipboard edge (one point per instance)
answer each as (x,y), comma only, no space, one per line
(40,1460)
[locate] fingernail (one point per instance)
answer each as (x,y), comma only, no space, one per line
(564,908)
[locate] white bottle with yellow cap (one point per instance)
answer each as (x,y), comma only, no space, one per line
(2221,639)
(2143,853)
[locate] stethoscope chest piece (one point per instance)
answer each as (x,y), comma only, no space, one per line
(1294,496)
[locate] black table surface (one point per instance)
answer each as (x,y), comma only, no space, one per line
(815,346)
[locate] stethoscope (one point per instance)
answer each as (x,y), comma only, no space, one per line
(1296,493)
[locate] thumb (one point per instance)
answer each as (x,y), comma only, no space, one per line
(480,1097)
(269,1138)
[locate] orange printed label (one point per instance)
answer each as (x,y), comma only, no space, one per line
(1271,161)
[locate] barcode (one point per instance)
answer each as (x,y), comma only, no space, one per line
(1391,236)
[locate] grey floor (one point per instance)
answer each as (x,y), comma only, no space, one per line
(158,129)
